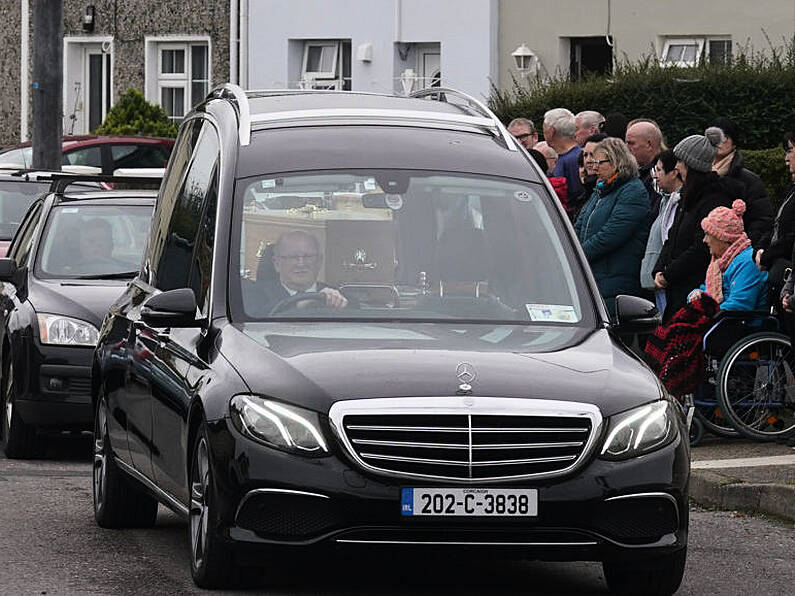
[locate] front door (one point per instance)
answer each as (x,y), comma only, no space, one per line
(429,65)
(88,92)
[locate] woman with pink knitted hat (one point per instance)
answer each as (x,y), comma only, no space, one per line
(733,279)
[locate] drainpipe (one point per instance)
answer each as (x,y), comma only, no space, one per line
(243,44)
(24,63)
(234,40)
(398,20)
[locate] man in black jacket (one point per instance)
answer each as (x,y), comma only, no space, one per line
(297,260)
(758,218)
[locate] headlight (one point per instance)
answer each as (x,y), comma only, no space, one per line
(640,430)
(66,331)
(278,425)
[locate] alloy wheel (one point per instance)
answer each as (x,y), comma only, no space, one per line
(199,506)
(100,454)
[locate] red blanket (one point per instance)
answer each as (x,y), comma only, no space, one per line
(674,351)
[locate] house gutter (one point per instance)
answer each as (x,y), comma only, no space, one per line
(234,41)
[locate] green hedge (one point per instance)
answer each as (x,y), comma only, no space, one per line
(769,165)
(756,91)
(133,115)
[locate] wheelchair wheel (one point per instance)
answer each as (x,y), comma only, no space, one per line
(712,419)
(696,432)
(756,386)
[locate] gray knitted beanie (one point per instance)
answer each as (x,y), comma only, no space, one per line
(699,151)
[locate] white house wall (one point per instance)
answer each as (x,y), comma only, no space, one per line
(465,29)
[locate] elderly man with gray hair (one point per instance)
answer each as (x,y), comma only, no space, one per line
(524,131)
(588,123)
(559,129)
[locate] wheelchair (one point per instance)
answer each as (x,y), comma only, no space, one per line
(749,387)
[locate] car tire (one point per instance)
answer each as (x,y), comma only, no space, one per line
(118,501)
(19,438)
(211,560)
(660,576)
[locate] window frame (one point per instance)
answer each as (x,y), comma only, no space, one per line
(699,42)
(156,80)
(319,74)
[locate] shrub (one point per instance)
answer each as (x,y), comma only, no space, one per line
(769,165)
(133,115)
(754,90)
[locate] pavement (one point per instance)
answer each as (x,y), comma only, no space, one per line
(742,475)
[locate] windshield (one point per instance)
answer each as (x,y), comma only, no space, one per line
(401,245)
(93,241)
(15,198)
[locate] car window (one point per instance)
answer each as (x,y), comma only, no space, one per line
(93,240)
(139,156)
(15,199)
(174,253)
(20,248)
(16,157)
(403,245)
(85,156)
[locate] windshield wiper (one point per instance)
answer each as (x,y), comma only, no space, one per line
(120,275)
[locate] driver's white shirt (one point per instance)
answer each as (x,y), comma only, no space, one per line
(312,288)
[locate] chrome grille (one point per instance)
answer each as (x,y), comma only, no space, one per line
(461,446)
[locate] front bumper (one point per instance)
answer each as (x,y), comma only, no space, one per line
(602,511)
(58,389)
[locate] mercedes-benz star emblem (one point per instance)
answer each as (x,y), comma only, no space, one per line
(466,374)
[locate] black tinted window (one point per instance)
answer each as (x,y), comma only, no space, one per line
(174,261)
(139,156)
(21,248)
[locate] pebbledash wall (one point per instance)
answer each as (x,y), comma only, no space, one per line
(125,44)
(10,61)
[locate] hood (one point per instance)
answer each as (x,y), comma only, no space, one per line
(316,365)
(84,300)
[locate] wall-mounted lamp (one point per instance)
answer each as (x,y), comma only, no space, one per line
(525,59)
(88,19)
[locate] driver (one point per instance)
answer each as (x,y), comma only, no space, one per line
(297,259)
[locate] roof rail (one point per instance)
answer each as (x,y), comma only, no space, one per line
(61,181)
(441,93)
(365,115)
(240,100)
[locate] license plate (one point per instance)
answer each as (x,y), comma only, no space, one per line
(474,502)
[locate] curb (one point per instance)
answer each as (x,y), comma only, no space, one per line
(728,492)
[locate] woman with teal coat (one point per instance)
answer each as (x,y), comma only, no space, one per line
(614,224)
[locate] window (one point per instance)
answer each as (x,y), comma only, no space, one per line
(185,222)
(326,65)
(139,156)
(87,156)
(182,75)
(720,51)
(688,51)
(21,248)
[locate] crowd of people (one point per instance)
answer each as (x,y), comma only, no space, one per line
(667,224)
(690,228)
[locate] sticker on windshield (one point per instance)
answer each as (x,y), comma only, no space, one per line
(559,313)
(394,202)
(70,209)
(270,183)
(522,195)
(369,184)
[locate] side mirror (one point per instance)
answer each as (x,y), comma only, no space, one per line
(8,270)
(636,315)
(174,308)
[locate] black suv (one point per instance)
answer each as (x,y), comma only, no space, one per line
(364,321)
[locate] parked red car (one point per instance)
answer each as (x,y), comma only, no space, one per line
(106,152)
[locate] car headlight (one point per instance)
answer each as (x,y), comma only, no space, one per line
(66,331)
(640,430)
(278,425)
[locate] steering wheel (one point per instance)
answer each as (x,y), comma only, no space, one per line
(285,303)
